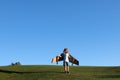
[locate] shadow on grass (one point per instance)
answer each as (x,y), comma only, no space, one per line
(108,76)
(7,71)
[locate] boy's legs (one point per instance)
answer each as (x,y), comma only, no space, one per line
(66,66)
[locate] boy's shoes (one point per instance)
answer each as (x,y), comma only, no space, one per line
(67,72)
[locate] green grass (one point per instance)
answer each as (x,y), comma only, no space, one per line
(56,73)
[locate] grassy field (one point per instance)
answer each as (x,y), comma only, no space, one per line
(56,73)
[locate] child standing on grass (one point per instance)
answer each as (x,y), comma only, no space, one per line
(66,57)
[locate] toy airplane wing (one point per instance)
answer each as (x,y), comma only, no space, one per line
(73,60)
(60,58)
(57,58)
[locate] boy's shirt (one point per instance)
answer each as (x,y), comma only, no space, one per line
(66,57)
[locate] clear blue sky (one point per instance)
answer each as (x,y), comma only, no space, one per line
(34,31)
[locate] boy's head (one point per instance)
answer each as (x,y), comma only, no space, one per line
(65,50)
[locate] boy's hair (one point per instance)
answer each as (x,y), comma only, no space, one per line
(65,49)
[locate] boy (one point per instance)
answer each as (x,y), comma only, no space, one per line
(66,57)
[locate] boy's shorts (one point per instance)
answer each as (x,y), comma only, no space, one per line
(65,63)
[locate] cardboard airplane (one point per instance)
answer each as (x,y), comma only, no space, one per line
(60,58)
